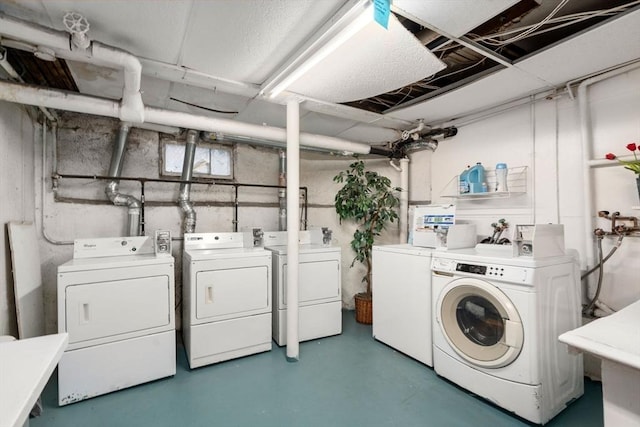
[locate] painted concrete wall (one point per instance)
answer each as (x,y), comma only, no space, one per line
(545,137)
(17,197)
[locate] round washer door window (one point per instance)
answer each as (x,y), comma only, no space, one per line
(480,323)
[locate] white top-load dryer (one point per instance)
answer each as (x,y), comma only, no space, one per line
(226,300)
(496,328)
(319,287)
(116,302)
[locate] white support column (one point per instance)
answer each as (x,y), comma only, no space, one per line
(293,227)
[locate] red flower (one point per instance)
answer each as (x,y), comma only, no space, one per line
(632,165)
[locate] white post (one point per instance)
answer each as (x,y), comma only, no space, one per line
(404,199)
(293,227)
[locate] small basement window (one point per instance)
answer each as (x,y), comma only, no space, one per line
(211,160)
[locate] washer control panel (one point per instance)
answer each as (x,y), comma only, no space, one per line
(505,273)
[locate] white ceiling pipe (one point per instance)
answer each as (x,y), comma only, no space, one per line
(58,99)
(293,228)
(99,54)
(69,101)
(232,127)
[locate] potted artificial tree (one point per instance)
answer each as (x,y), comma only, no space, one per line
(368,199)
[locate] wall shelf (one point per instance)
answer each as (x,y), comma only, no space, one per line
(516,183)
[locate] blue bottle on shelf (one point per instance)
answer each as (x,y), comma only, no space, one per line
(464,181)
(476,178)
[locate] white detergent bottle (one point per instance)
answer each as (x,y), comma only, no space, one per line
(501,178)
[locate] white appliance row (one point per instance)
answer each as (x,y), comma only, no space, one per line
(488,323)
(116,302)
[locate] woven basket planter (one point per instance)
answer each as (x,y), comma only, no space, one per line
(364,308)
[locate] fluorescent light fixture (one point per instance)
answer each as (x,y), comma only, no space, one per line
(344,28)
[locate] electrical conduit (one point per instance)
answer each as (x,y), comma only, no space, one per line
(184,198)
(112,191)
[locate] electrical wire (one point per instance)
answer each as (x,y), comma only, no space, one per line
(566,20)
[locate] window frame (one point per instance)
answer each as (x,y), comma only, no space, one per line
(206,145)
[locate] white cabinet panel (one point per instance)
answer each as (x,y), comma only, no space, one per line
(107,309)
(228,291)
(318,280)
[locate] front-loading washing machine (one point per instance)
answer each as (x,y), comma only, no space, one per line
(319,287)
(116,302)
(401,287)
(496,328)
(226,297)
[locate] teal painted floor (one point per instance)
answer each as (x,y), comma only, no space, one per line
(347,380)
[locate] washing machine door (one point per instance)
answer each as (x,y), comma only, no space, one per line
(480,323)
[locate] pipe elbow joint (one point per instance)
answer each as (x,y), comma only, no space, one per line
(132,108)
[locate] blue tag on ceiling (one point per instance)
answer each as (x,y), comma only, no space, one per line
(381,11)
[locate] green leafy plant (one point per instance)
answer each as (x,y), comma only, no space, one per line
(368,199)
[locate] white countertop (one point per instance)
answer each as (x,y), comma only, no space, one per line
(25,368)
(615,337)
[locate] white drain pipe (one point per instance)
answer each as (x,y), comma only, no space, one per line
(70,101)
(404,199)
(293,227)
(587,152)
(403,215)
(57,44)
(282,193)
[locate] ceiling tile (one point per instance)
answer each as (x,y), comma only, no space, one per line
(590,52)
(205,101)
(264,113)
(369,134)
(453,17)
(151,29)
(247,40)
(326,125)
(373,61)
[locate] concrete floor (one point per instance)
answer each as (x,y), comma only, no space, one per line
(347,380)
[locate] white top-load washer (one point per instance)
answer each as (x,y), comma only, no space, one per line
(320,285)
(497,322)
(116,302)
(226,300)
(401,287)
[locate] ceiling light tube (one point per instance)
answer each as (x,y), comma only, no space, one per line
(344,29)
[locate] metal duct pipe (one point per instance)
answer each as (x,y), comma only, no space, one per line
(117,198)
(282,193)
(184,199)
